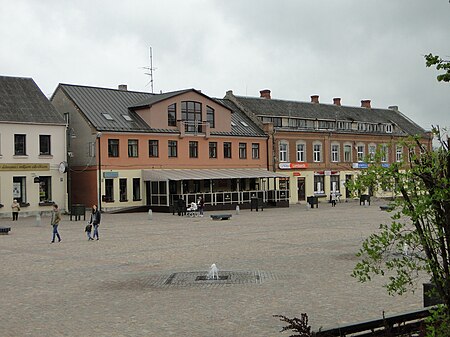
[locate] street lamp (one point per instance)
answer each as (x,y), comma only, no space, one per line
(99,134)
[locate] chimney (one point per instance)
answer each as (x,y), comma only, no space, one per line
(393,107)
(365,103)
(123,87)
(337,101)
(315,99)
(265,94)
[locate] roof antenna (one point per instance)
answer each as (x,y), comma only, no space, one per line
(150,69)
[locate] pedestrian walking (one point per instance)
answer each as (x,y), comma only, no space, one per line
(201,206)
(15,207)
(56,218)
(333,199)
(95,220)
(88,231)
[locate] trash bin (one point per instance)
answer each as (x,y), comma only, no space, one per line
(78,210)
(254,203)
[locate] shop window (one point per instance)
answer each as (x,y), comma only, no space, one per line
(45,189)
(136,189)
(109,190)
(319,184)
(19,189)
(123,189)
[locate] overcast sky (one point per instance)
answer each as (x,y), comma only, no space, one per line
(353,49)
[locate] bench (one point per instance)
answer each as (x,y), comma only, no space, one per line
(4,230)
(221,216)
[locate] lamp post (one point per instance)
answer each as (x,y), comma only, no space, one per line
(99,134)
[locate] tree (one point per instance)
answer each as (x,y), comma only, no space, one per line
(434,60)
(418,238)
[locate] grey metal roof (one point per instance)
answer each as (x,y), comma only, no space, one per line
(202,174)
(241,124)
(94,102)
(22,101)
(307,110)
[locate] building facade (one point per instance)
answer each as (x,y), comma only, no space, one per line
(322,146)
(132,149)
(32,149)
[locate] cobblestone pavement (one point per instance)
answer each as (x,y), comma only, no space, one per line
(284,261)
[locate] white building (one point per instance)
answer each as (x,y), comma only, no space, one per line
(32,149)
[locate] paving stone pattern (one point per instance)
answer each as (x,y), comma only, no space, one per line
(139,278)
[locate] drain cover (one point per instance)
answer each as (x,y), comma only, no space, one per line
(204,278)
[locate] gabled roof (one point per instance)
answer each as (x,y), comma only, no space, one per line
(22,101)
(94,102)
(307,110)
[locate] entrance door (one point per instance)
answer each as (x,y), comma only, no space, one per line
(301,189)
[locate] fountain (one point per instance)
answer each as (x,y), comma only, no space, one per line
(213,273)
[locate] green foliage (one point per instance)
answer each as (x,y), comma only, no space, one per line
(418,237)
(441,65)
(298,325)
(438,324)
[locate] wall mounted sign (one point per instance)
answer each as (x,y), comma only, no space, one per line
(25,167)
(289,166)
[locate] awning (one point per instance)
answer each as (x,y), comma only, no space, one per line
(207,174)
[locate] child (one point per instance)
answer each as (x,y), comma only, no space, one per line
(88,231)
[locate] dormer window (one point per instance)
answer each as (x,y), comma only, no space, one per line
(210,117)
(191,114)
(388,128)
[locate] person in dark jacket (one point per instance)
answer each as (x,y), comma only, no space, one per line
(95,220)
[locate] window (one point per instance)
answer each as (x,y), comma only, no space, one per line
(301,152)
(242,150)
(388,128)
(20,145)
(19,189)
(317,152)
(113,148)
(344,125)
(227,150)
(153,148)
(384,153)
(335,153)
(173,152)
(360,153)
(91,149)
(45,189)
(133,148)
(44,145)
(399,153)
(123,189)
(172,115)
(136,189)
(212,149)
(193,149)
(107,116)
(334,183)
(372,150)
(277,122)
(283,152)
(210,117)
(255,151)
(127,118)
(347,153)
(326,125)
(109,190)
(191,114)
(319,183)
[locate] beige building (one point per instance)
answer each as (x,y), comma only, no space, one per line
(32,149)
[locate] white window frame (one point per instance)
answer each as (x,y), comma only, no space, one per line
(317,152)
(399,153)
(384,153)
(388,128)
(372,151)
(283,150)
(360,152)
(335,151)
(350,153)
(301,153)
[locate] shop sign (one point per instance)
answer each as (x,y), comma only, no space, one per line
(360,165)
(289,166)
(110,175)
(297,174)
(25,167)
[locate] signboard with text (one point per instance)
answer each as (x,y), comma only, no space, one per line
(290,166)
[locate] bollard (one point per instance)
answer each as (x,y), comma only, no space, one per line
(38,219)
(150,214)
(237,209)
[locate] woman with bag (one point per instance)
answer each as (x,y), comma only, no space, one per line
(95,220)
